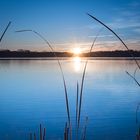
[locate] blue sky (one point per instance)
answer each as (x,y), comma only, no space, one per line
(64,23)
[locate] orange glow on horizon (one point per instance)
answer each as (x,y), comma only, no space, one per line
(76,51)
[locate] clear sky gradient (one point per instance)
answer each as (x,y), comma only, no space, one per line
(65,25)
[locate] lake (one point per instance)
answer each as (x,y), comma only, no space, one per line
(31,92)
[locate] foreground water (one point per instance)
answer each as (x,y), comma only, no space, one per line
(31,92)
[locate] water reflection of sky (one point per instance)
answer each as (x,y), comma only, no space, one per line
(32,92)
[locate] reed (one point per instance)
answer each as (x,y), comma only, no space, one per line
(83,78)
(34,136)
(133,77)
(77,102)
(85,129)
(137,109)
(135,72)
(65,137)
(8,25)
(99,21)
(30,136)
(138,105)
(131,54)
(63,78)
(65,133)
(40,130)
(79,95)
(44,133)
(138,134)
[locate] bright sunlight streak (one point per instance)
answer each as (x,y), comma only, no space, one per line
(76,50)
(77,63)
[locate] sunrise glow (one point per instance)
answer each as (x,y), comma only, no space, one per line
(76,51)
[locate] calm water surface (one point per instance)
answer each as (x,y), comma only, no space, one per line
(31,92)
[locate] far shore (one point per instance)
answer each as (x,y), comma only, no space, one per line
(69,58)
(98,55)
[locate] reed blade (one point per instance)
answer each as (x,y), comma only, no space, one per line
(135,72)
(137,109)
(63,78)
(66,133)
(83,78)
(131,54)
(133,77)
(85,129)
(77,102)
(5,31)
(40,130)
(44,134)
(34,136)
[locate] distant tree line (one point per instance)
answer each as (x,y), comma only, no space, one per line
(117,53)
(28,53)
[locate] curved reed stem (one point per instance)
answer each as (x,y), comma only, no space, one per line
(83,77)
(84,129)
(133,77)
(77,101)
(116,36)
(64,82)
(137,109)
(5,30)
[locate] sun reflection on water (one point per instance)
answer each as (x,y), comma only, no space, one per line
(77,63)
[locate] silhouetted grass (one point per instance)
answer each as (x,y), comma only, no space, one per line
(137,123)
(64,82)
(79,95)
(137,109)
(85,129)
(132,76)
(63,78)
(42,134)
(5,31)
(77,102)
(83,78)
(66,132)
(99,21)
(34,136)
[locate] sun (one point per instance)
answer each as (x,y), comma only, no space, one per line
(76,51)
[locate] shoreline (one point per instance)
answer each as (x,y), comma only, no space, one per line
(69,58)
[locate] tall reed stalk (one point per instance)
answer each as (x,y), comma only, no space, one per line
(30,136)
(85,129)
(40,130)
(83,78)
(66,132)
(77,102)
(63,78)
(99,21)
(34,136)
(132,76)
(137,123)
(8,25)
(42,134)
(137,109)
